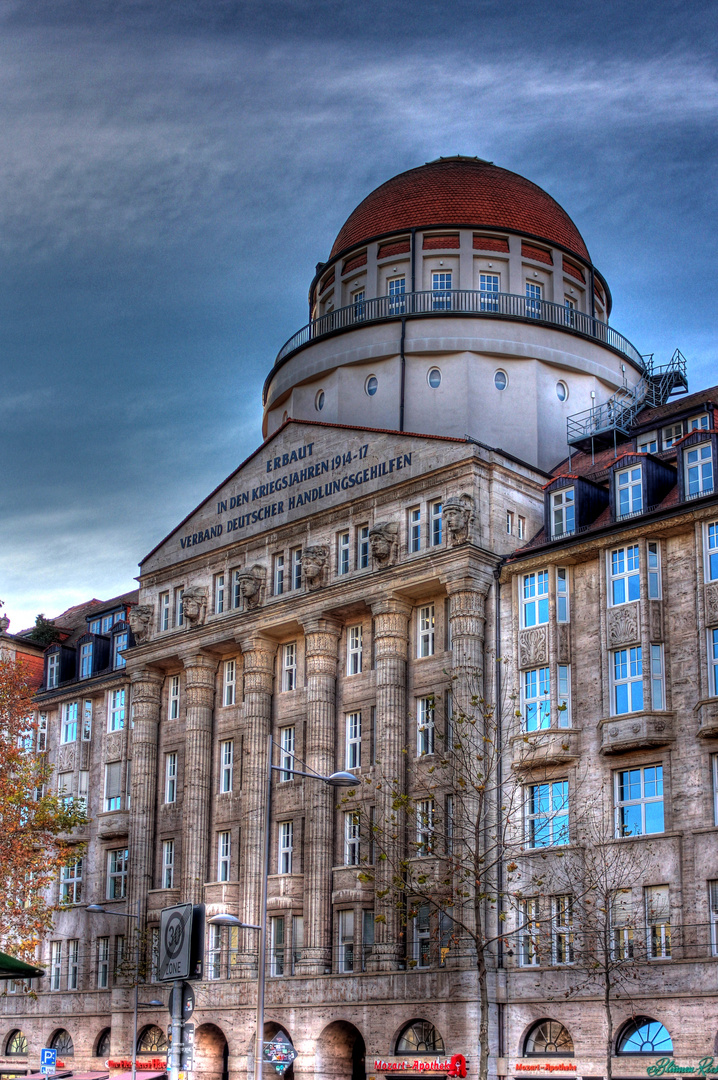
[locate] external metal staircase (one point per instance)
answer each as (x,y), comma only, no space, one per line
(601,426)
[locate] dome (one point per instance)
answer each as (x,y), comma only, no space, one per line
(460,191)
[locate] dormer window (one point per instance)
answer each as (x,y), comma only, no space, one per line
(699,470)
(53,670)
(671,435)
(699,423)
(629,491)
(563,513)
(86,660)
(95,626)
(119,644)
(648,443)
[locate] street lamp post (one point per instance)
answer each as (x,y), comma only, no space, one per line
(98,909)
(337,779)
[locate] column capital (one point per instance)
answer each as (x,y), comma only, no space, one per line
(146,683)
(468,581)
(258,655)
(391,605)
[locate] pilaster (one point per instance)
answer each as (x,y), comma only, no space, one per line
(467,618)
(145,697)
(200,671)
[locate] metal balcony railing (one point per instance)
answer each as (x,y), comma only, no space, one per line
(460,302)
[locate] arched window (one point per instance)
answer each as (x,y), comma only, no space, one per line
(420,1037)
(103,1044)
(16,1045)
(152,1040)
(548,1037)
(642,1035)
(62,1042)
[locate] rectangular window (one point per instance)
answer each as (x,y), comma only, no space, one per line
(55,964)
(671,435)
(698,423)
(224,849)
(164,606)
(286,847)
(289,666)
(713,661)
(358,301)
(534,598)
(657,681)
(113,785)
(624,575)
(713,909)
(296,568)
(41,736)
(367,936)
(354,650)
(276,945)
(425,636)
(536,704)
(214,952)
(699,470)
(286,745)
(422,936)
(103,963)
(563,512)
(424,726)
(95,626)
(489,287)
(363,547)
(229,682)
(119,644)
(622,925)
(278,575)
(83,786)
(372,835)
(435,523)
(447,624)
(564,695)
(68,731)
(351,838)
(174,697)
(116,712)
(425,827)
(343,553)
(547,814)
(346,941)
(629,492)
(297,941)
(509,522)
(87,720)
(449,824)
(562,929)
(117,874)
(71,883)
(372,735)
(53,670)
(712,551)
(396,288)
(414,529)
(533,300)
(441,290)
(521,528)
(562,611)
(353,740)
(237,589)
(64,787)
(73,964)
(529,929)
(219,594)
(171,777)
(658,922)
(86,660)
(647,444)
(627,673)
(226,754)
(654,571)
(168,864)
(179,607)
(639,801)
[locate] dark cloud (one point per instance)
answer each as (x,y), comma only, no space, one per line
(171,173)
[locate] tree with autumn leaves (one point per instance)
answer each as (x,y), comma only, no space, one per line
(35,826)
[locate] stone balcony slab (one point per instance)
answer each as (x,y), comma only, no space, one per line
(707,711)
(113,825)
(549,746)
(636,731)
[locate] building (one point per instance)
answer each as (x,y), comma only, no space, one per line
(412,494)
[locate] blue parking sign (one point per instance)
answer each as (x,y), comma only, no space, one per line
(48,1060)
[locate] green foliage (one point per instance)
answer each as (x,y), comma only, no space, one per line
(44,632)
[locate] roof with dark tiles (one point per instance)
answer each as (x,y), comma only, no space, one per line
(460,191)
(677,406)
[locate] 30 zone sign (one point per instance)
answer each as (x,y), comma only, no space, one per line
(175,942)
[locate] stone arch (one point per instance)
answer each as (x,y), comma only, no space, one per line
(102,1043)
(16,1044)
(340,1053)
(546,1036)
(211,1053)
(61,1040)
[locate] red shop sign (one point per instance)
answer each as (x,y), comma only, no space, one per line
(454,1066)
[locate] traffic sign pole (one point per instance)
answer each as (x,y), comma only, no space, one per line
(175,1051)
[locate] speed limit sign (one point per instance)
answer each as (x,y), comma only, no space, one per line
(175,942)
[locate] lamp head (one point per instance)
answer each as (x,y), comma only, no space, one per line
(95,909)
(344,779)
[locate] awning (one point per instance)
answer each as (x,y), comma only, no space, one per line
(50,1076)
(11,968)
(144,1073)
(91,1076)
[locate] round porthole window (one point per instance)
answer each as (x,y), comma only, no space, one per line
(319,401)
(501,380)
(434,378)
(371,385)
(561,390)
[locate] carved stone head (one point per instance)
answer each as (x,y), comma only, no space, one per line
(140,621)
(458,515)
(314,559)
(194,605)
(383,539)
(250,585)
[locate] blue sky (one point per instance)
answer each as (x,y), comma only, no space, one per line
(171,174)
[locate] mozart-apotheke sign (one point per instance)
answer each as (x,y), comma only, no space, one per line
(547,1066)
(453,1066)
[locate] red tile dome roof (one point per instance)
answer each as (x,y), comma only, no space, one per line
(460,191)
